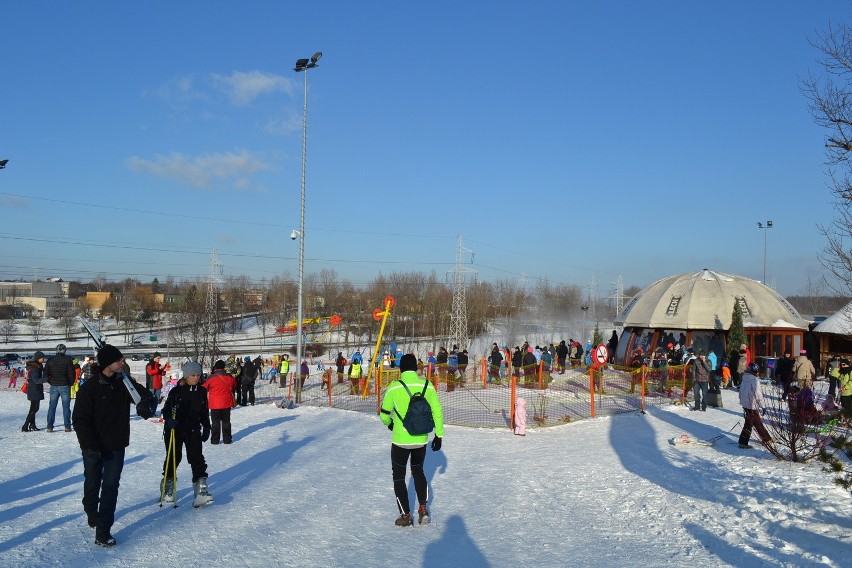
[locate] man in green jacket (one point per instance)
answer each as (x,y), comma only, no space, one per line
(405,445)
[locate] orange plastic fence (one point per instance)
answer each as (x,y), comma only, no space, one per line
(479,398)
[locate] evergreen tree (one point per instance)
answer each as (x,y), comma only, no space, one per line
(736,333)
(597,337)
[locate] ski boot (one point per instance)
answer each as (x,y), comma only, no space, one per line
(169,491)
(423,515)
(202,497)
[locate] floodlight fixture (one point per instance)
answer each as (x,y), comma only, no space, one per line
(3,164)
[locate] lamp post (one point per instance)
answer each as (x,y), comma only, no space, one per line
(302,66)
(583,309)
(765,227)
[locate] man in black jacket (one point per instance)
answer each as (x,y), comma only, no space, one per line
(102,423)
(247,380)
(60,374)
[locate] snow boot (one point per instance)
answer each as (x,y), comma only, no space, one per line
(169,491)
(202,497)
(404,520)
(746,446)
(423,515)
(104,539)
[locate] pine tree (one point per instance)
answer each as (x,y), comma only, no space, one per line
(736,333)
(597,337)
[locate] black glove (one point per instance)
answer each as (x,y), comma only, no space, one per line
(436,444)
(205,433)
(172,423)
(146,407)
(390,426)
(91,453)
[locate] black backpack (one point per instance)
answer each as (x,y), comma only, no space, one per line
(418,420)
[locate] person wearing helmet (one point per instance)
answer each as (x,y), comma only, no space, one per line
(751,400)
(60,374)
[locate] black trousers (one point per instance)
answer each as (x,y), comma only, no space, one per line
(34,406)
(246,393)
(399,459)
(220,424)
(101,477)
(192,441)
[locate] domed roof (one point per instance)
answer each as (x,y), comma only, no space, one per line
(705,300)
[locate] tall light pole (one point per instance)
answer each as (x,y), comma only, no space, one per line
(302,66)
(765,228)
(583,309)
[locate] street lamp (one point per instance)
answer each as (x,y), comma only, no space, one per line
(3,164)
(302,66)
(765,228)
(584,309)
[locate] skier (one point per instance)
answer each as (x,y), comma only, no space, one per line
(404,445)
(187,416)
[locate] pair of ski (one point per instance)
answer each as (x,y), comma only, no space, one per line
(686,440)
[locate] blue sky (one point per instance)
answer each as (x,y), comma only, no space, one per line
(562,140)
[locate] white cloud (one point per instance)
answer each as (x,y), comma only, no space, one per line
(243,87)
(202,172)
(284,124)
(178,90)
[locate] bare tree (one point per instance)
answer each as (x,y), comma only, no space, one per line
(35,323)
(8,329)
(829,97)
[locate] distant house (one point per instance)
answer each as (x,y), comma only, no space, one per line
(835,333)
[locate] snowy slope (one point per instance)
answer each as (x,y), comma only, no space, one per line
(312,487)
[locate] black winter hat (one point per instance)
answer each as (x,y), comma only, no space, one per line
(408,362)
(38,355)
(218,365)
(107,355)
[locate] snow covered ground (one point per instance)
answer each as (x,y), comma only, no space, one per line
(312,487)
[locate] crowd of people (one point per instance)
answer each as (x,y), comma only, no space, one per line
(197,407)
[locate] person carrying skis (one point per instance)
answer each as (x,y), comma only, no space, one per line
(101,420)
(186,414)
(405,446)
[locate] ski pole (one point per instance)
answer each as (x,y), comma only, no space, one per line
(166,468)
(174,466)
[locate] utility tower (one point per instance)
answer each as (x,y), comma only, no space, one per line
(211,320)
(593,297)
(458,318)
(619,295)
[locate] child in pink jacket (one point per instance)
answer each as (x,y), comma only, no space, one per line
(520,417)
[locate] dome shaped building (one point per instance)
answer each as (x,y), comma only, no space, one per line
(695,309)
